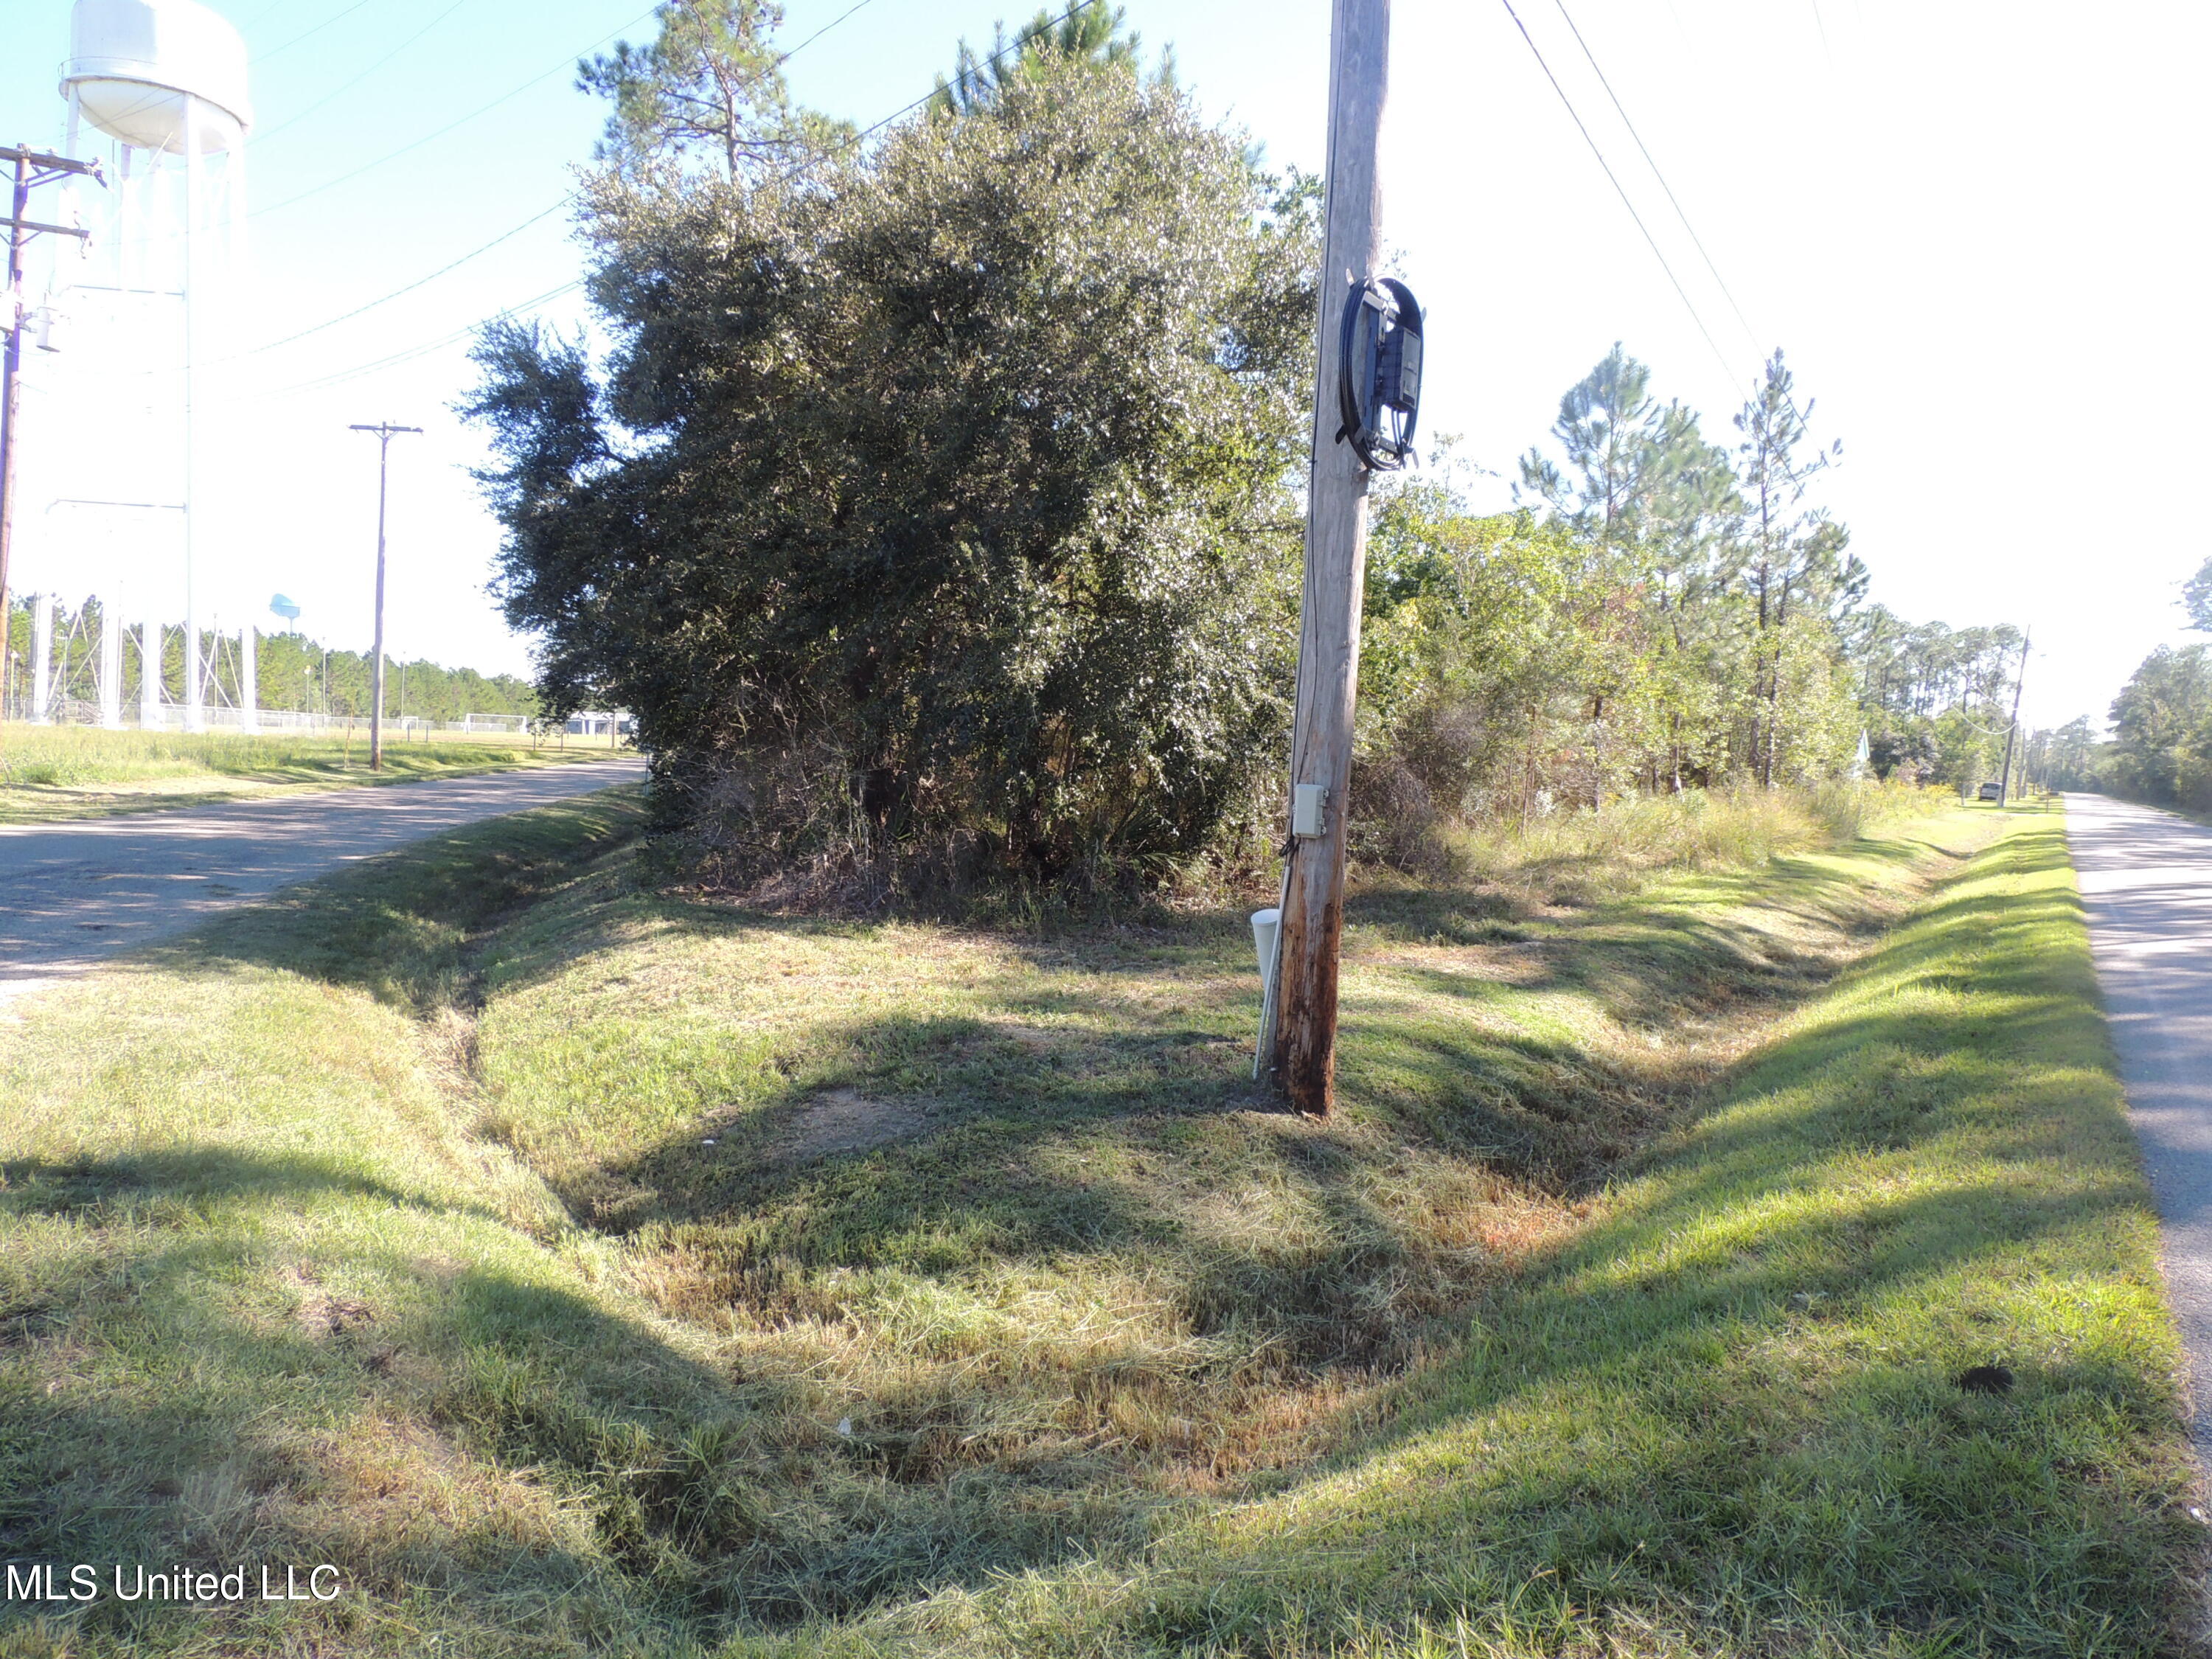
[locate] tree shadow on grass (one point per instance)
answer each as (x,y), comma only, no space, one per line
(1732,1408)
(95,1189)
(257,1360)
(404,925)
(1721,1432)
(1023,1162)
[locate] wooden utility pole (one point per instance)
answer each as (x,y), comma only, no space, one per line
(2005,783)
(386,432)
(1301,1054)
(34,167)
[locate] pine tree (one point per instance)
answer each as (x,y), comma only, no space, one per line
(1789,542)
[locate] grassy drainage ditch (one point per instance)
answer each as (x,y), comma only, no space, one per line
(1749,1261)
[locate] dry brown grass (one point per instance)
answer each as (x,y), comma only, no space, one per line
(596,1265)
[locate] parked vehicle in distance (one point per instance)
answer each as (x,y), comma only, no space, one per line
(1990,792)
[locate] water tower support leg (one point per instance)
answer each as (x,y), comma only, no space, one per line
(126,194)
(149,675)
(111,665)
(249,696)
(42,656)
(195,217)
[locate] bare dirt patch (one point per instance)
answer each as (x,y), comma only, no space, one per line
(321,1314)
(847,1121)
(335,1315)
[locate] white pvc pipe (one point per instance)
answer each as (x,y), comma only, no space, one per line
(1268,946)
(1266,924)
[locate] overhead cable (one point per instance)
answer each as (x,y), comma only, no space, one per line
(1613,178)
(546,213)
(347,317)
(423,348)
(263,57)
(339,91)
(1673,201)
(566,62)
(787,174)
(1758,342)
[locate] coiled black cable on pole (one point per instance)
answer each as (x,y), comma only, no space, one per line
(1378,382)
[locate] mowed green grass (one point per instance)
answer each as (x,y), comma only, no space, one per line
(586,1269)
(51,773)
(1725,1418)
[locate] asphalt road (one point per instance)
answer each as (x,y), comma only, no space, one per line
(2147,880)
(73,895)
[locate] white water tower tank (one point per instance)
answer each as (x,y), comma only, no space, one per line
(166,80)
(134,65)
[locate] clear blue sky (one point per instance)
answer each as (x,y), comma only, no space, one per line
(1974,229)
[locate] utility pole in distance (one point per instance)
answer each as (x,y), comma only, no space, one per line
(386,432)
(34,168)
(1302,1048)
(2005,783)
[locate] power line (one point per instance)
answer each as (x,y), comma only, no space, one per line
(1751,333)
(515,92)
(1651,160)
(566,61)
(546,213)
(340,91)
(787,174)
(339,377)
(1650,240)
(263,58)
(823,30)
(347,317)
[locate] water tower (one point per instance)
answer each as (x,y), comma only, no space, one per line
(166,80)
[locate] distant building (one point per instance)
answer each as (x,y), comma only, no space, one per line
(601,723)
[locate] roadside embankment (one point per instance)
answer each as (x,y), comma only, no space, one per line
(588,1268)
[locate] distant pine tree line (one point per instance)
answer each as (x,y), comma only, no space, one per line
(293,672)
(2160,747)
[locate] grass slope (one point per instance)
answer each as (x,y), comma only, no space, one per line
(1725,1420)
(51,773)
(590,1270)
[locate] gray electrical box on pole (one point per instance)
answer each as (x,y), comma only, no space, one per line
(1299,1049)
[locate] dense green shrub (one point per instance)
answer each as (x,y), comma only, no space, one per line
(938,502)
